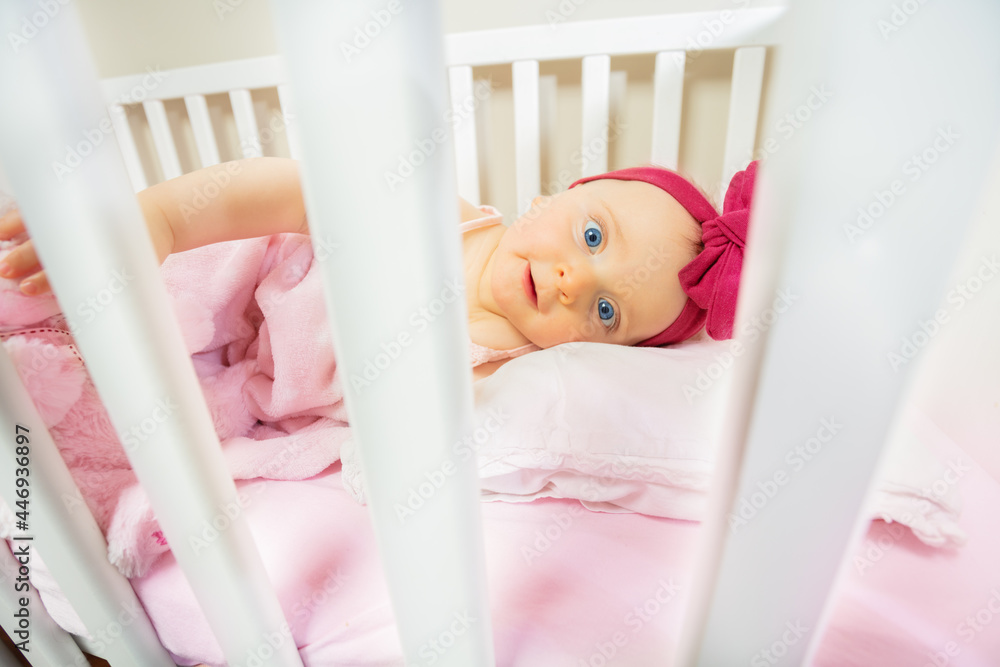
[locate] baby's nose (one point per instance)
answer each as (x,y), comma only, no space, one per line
(574,283)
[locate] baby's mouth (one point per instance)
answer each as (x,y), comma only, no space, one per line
(529,285)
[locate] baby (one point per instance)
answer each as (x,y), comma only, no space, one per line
(632,257)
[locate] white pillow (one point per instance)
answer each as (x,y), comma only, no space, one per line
(619,428)
(627,429)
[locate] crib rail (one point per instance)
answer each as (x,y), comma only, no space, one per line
(747,31)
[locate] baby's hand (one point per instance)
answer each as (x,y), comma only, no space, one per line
(22,260)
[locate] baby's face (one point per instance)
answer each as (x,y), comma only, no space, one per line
(596,263)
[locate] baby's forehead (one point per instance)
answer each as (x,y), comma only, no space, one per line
(646,210)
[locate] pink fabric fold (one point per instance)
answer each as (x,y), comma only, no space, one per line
(253,317)
(712,279)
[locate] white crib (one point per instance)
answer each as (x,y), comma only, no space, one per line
(406,107)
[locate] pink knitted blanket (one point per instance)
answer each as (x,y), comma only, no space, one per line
(253,318)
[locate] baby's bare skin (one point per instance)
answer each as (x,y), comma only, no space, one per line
(596,263)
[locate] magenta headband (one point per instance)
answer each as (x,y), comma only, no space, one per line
(712,279)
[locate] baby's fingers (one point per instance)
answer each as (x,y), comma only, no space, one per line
(35,285)
(22,261)
(11,224)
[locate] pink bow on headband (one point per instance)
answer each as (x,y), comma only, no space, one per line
(712,279)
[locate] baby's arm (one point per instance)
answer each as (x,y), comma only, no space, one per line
(234,200)
(252,197)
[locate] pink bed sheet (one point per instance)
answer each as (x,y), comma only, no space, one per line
(578,588)
(565,583)
(905,603)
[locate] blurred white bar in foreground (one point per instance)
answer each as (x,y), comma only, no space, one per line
(369,86)
(858,217)
(64,164)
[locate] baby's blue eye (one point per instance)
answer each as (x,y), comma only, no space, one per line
(592,234)
(606,312)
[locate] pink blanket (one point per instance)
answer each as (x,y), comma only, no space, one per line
(253,318)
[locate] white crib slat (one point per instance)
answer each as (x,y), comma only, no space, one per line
(49,645)
(484,148)
(821,394)
(527,156)
(92,240)
(289,119)
(548,87)
(744,108)
(392,228)
(463,106)
(667,103)
(67,538)
(126,144)
(201,126)
(163,138)
(246,123)
(617,88)
(596,95)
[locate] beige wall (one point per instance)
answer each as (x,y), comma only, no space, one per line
(126,36)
